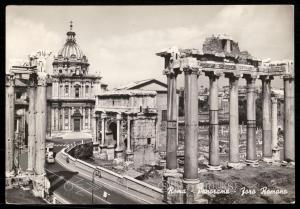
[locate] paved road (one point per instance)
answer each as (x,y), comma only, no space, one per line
(77,189)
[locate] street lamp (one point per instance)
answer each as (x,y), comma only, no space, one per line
(93,180)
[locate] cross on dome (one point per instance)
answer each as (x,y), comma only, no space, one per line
(71,25)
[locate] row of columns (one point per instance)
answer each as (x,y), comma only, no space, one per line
(36,130)
(190,175)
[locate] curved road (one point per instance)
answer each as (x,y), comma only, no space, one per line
(77,189)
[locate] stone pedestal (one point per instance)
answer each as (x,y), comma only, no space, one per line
(96,149)
(119,157)
(172,180)
(253,163)
(110,152)
(41,185)
(192,195)
(103,152)
(236,166)
(129,156)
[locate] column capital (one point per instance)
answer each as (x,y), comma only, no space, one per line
(266,77)
(42,79)
(274,100)
(118,116)
(190,65)
(9,80)
(212,74)
(232,75)
(103,115)
(288,77)
(250,77)
(171,72)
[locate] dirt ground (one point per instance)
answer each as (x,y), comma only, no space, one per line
(264,184)
(19,196)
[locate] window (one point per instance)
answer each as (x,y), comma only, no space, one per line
(164,115)
(77,92)
(87,89)
(66,118)
(18,95)
(66,90)
(86,117)
(148,141)
(60,120)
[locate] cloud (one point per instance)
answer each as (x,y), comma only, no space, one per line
(24,37)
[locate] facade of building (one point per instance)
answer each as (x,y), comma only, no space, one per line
(126,126)
(71,91)
(161,105)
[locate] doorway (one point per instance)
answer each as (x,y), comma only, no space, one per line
(76,124)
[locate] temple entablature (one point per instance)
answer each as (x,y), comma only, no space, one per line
(220,56)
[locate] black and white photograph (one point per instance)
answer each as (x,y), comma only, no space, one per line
(149,104)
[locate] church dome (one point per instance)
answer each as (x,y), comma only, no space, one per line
(71,48)
(70,58)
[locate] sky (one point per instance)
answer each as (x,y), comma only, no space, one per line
(121,41)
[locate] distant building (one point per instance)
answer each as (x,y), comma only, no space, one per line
(161,105)
(71,91)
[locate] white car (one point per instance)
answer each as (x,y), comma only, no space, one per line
(50,158)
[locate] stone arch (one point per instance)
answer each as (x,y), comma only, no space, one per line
(111,131)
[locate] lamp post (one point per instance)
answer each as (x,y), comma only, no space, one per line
(93,179)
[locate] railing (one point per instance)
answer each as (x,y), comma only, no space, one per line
(127,182)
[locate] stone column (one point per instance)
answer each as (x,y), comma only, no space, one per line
(289,119)
(214,158)
(266,109)
(40,180)
(129,153)
(119,150)
(52,119)
(103,146)
(94,136)
(234,136)
(190,175)
(171,152)
(9,124)
(275,147)
(31,127)
(251,158)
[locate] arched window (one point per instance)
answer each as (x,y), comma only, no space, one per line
(77,92)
